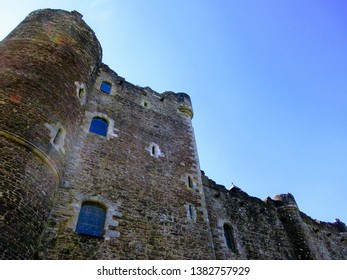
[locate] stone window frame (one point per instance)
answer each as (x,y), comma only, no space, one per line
(99,126)
(235,245)
(229,236)
(112,214)
(195,185)
(81,92)
(109,90)
(190,182)
(81,216)
(191,212)
(111,130)
(154,150)
(57,136)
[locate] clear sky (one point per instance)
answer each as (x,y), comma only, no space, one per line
(267,81)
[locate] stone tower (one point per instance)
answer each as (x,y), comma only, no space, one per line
(42,60)
(94,167)
(77,137)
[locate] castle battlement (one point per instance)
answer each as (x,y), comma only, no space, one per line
(94,167)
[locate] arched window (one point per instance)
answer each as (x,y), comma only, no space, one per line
(154,150)
(99,126)
(228,235)
(91,219)
(105,87)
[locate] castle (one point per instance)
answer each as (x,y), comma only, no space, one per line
(94,167)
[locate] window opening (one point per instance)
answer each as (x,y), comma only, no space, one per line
(99,126)
(58,137)
(190,182)
(91,219)
(228,235)
(81,93)
(191,212)
(154,150)
(105,87)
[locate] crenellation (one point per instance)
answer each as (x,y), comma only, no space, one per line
(95,167)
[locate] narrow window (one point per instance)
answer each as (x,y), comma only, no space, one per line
(81,93)
(99,126)
(191,212)
(105,87)
(153,150)
(229,239)
(91,219)
(58,137)
(190,182)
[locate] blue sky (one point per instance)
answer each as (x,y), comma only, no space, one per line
(267,81)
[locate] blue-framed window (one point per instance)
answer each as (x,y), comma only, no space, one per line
(91,220)
(99,126)
(106,87)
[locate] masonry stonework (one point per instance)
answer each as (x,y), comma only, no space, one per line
(143,170)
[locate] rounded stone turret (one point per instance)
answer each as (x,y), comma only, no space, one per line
(185,104)
(296,230)
(286,200)
(48,64)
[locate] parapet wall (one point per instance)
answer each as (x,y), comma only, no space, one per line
(270,229)
(141,172)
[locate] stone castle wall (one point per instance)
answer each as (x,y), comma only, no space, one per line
(270,229)
(146,194)
(41,61)
(144,172)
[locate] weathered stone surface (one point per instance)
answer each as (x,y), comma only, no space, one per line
(40,62)
(144,172)
(149,191)
(270,229)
